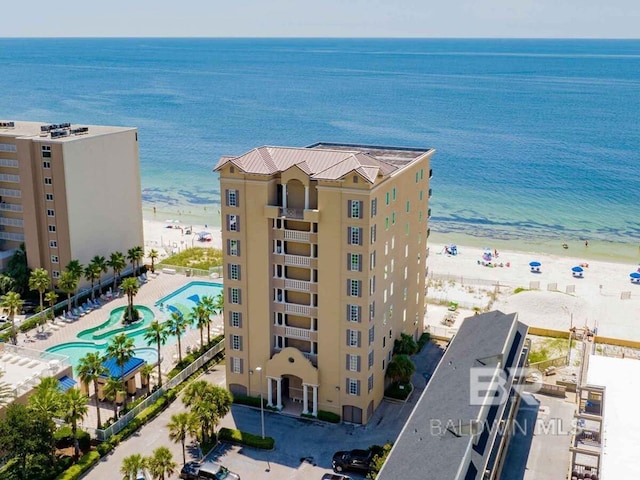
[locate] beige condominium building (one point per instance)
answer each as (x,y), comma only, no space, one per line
(68,192)
(325,257)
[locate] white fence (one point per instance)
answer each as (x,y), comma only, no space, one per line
(104,435)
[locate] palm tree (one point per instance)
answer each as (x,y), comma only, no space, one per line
(100,265)
(132,464)
(51,298)
(209,403)
(39,280)
(153,255)
(121,349)
(46,401)
(161,463)
(68,283)
(92,273)
(209,303)
(90,369)
(134,255)
(6,392)
(157,334)
(111,388)
(77,270)
(146,371)
(181,425)
(130,287)
(200,316)
(11,303)
(176,326)
(74,408)
(400,369)
(117,262)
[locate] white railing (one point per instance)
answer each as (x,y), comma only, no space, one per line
(295,308)
(311,356)
(296,235)
(11,207)
(297,260)
(300,285)
(303,333)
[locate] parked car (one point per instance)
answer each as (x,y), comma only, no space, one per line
(335,476)
(207,471)
(28,307)
(4,319)
(355,460)
(141,475)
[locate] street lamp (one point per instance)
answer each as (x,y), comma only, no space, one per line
(259,369)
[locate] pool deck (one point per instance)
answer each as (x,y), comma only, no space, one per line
(148,294)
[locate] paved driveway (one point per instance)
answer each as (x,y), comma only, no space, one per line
(304,448)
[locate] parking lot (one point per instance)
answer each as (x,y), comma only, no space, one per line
(303,448)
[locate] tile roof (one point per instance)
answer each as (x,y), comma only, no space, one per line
(65,383)
(319,164)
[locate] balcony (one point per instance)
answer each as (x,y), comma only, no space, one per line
(11,207)
(276,211)
(299,285)
(312,357)
(298,309)
(297,235)
(297,261)
(296,213)
(295,332)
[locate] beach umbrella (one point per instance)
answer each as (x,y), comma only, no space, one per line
(577,269)
(534,264)
(634,275)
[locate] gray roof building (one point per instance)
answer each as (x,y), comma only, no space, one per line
(459,428)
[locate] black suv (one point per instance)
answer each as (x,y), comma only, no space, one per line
(356,460)
(207,471)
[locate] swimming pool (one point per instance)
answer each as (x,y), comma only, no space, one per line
(76,350)
(188,296)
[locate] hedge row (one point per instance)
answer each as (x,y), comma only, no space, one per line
(64,438)
(244,438)
(423,340)
(87,461)
(247,400)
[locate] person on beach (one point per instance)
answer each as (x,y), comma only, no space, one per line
(586,243)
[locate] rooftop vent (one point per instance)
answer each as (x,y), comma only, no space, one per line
(7,124)
(59,133)
(80,131)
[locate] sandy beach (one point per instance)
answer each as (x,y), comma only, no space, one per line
(551,298)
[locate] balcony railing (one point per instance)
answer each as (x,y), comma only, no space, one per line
(291,212)
(296,235)
(299,285)
(11,207)
(295,332)
(297,260)
(311,356)
(297,309)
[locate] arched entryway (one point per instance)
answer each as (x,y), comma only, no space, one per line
(294,379)
(351,414)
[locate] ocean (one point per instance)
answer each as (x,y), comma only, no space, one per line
(537,141)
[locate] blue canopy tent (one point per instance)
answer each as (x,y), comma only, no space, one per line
(535,266)
(577,271)
(635,277)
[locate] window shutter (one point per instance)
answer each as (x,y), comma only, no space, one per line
(348,331)
(237,223)
(238,269)
(241,365)
(358,362)
(349,207)
(360,210)
(226,195)
(359,288)
(228,223)
(348,235)
(348,313)
(240,320)
(358,387)
(237,198)
(238,244)
(348,261)
(359,262)
(360,236)
(346,386)
(347,365)
(240,342)
(359,314)
(348,287)
(359,338)
(239,297)
(228,270)
(228,246)
(229,294)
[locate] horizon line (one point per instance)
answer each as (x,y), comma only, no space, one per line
(197,37)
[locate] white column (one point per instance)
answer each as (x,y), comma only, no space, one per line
(284,195)
(269,393)
(315,400)
(279,394)
(305,399)
(306,197)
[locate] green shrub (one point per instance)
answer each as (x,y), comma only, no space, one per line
(30,324)
(328,416)
(87,461)
(423,340)
(395,391)
(244,438)
(247,400)
(64,438)
(519,289)
(104,448)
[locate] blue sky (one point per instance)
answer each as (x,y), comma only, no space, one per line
(323,18)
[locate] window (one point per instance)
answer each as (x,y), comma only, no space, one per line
(48,197)
(232,198)
(355,209)
(421,195)
(371,359)
(373,234)
(372,260)
(236,365)
(386,196)
(353,312)
(417,175)
(46,151)
(386,223)
(234,295)
(406,229)
(53,244)
(236,319)
(353,338)
(372,310)
(236,342)
(353,362)
(52,228)
(46,164)
(393,218)
(408,206)
(8,147)
(393,193)
(55,274)
(233,223)
(234,271)
(234,248)
(50,213)
(404,294)
(355,236)
(353,387)
(372,285)
(421,173)
(374,207)
(47,181)
(54,259)
(354,288)
(355,179)
(355,262)
(370,382)
(371,334)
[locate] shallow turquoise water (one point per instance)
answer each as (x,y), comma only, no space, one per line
(187,297)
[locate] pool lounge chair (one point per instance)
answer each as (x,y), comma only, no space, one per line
(70,316)
(77,312)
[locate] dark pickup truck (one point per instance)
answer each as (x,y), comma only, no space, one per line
(354,460)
